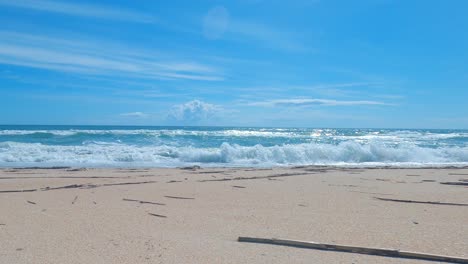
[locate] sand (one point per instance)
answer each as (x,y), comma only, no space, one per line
(89,222)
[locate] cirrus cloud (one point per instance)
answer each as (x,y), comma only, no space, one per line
(314,101)
(134,114)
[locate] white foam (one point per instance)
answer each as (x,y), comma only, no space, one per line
(265,133)
(115,154)
(162,132)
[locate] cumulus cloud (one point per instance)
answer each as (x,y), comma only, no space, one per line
(313,101)
(135,114)
(194,112)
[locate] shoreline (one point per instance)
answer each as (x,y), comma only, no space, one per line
(197,166)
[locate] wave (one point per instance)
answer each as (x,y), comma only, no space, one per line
(253,133)
(117,154)
(178,132)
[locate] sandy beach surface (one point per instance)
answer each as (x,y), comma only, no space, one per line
(68,215)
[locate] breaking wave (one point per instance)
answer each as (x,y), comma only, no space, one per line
(348,152)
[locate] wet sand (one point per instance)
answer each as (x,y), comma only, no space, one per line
(65,215)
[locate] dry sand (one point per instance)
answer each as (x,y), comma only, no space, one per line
(89,222)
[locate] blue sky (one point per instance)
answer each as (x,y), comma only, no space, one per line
(396,64)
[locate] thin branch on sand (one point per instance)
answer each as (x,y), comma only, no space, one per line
(257,177)
(419,202)
(142,202)
(178,197)
(77,186)
(158,215)
(354,249)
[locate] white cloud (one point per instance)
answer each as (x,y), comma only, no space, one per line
(194,112)
(313,101)
(215,22)
(267,35)
(79,9)
(97,58)
(134,115)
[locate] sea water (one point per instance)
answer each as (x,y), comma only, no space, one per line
(112,146)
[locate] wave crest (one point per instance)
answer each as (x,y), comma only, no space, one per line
(345,153)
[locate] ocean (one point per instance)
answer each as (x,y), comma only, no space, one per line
(126,146)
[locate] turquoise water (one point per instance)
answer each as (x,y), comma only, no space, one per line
(114,146)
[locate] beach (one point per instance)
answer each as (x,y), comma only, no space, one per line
(195,215)
(233,132)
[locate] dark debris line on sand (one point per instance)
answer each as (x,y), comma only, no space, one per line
(355,249)
(209,172)
(194,167)
(64,177)
(343,185)
(461,183)
(140,201)
(178,197)
(16,191)
(158,215)
(78,169)
(371,193)
(258,177)
(419,202)
(43,168)
(78,186)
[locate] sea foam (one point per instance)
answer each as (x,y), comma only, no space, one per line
(226,154)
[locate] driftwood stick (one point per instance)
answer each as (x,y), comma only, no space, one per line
(78,186)
(15,191)
(178,197)
(209,172)
(71,186)
(31,202)
(371,193)
(269,177)
(455,183)
(158,215)
(126,183)
(354,249)
(43,168)
(130,171)
(60,177)
(194,167)
(420,202)
(343,185)
(142,202)
(74,200)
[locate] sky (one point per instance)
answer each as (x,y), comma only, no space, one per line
(316,63)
